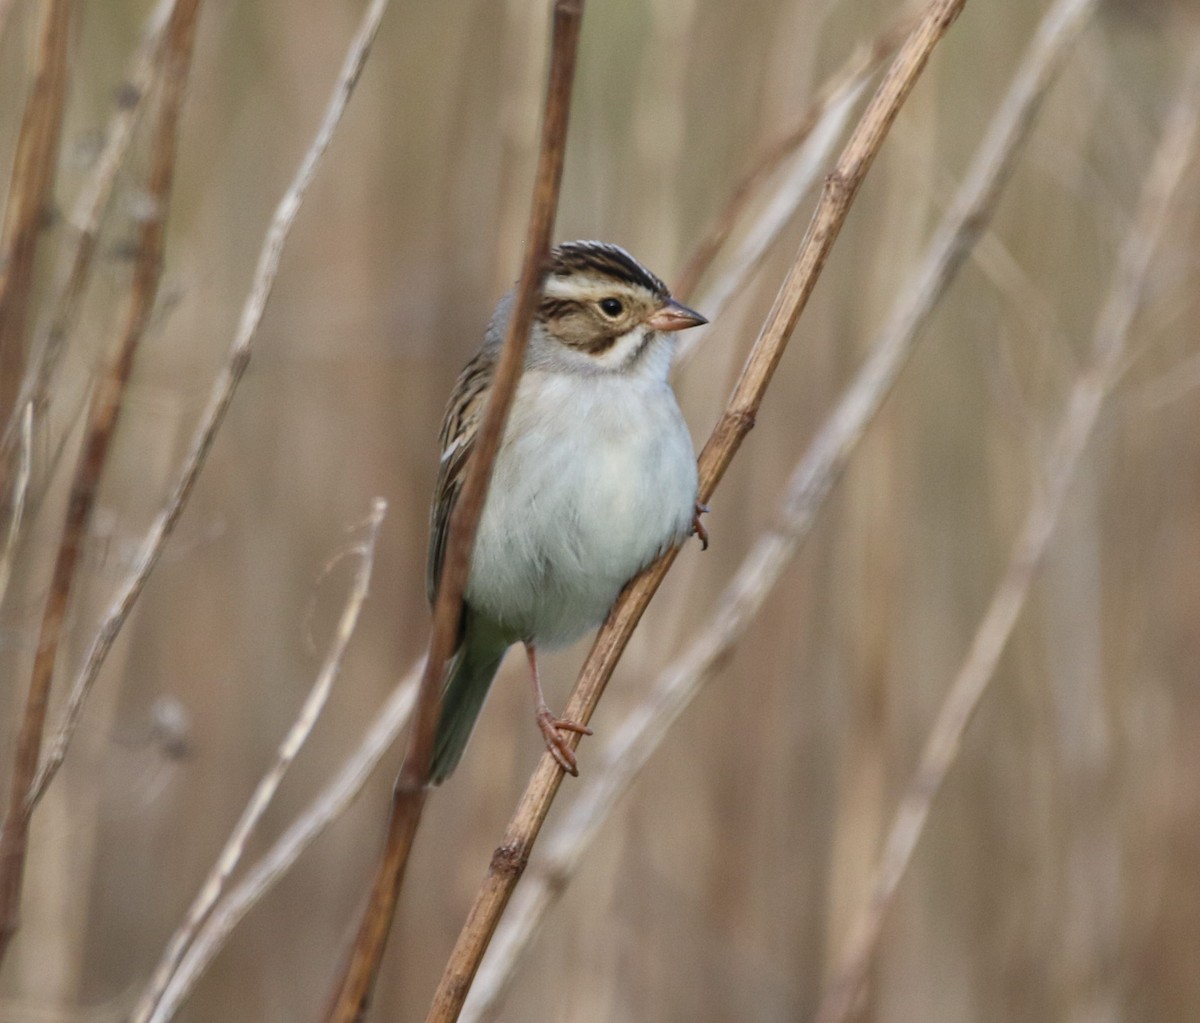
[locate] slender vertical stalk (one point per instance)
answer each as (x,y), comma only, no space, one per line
(408,798)
(30,193)
(841,186)
(102,421)
(1083,407)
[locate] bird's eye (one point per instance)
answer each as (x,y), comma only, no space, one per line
(611,307)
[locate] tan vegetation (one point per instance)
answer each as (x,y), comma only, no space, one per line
(914,740)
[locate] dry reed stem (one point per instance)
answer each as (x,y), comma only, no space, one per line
(1082,412)
(776,214)
(394,714)
(508,861)
(152,1007)
(409,793)
(102,422)
(220,396)
(87,217)
(20,492)
(636,739)
(327,807)
(859,66)
(31,192)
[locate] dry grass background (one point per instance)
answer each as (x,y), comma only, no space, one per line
(1058,876)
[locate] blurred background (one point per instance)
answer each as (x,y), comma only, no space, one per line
(1059,875)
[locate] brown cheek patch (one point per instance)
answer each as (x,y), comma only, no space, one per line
(572,323)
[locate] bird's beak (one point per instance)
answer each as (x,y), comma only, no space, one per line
(674,316)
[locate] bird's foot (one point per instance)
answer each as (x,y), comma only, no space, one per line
(552,728)
(698,529)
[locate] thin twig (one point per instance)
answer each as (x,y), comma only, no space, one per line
(1083,409)
(220,396)
(408,797)
(87,218)
(395,713)
(151,1007)
(325,808)
(508,862)
(30,194)
(805,171)
(856,69)
(19,493)
(98,434)
(636,739)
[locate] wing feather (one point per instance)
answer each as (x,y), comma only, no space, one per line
(457,438)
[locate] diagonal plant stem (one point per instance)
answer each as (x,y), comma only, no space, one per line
(863,62)
(220,396)
(98,434)
(408,798)
(29,196)
(327,807)
(1083,407)
(395,713)
(810,161)
(508,862)
(153,1007)
(636,739)
(88,215)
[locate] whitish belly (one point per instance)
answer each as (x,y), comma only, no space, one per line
(587,491)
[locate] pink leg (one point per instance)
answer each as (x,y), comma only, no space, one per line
(550,725)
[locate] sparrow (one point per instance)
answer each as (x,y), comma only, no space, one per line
(595,477)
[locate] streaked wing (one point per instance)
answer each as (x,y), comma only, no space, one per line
(459,427)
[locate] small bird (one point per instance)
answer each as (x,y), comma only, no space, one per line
(594,479)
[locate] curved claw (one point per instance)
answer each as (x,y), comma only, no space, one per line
(556,744)
(698,529)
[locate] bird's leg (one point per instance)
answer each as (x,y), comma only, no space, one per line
(698,529)
(550,725)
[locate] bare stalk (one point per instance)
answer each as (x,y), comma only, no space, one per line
(509,860)
(396,710)
(1082,412)
(220,396)
(87,217)
(30,194)
(810,161)
(152,1007)
(636,739)
(20,492)
(327,807)
(863,62)
(102,422)
(409,792)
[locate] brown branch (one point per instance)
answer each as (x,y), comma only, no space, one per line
(862,62)
(838,103)
(87,217)
(408,798)
(220,397)
(154,1005)
(30,195)
(636,739)
(508,862)
(102,421)
(1083,408)
(333,799)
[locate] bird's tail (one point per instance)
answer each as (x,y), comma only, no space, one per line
(475,665)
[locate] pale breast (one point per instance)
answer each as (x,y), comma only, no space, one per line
(595,478)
